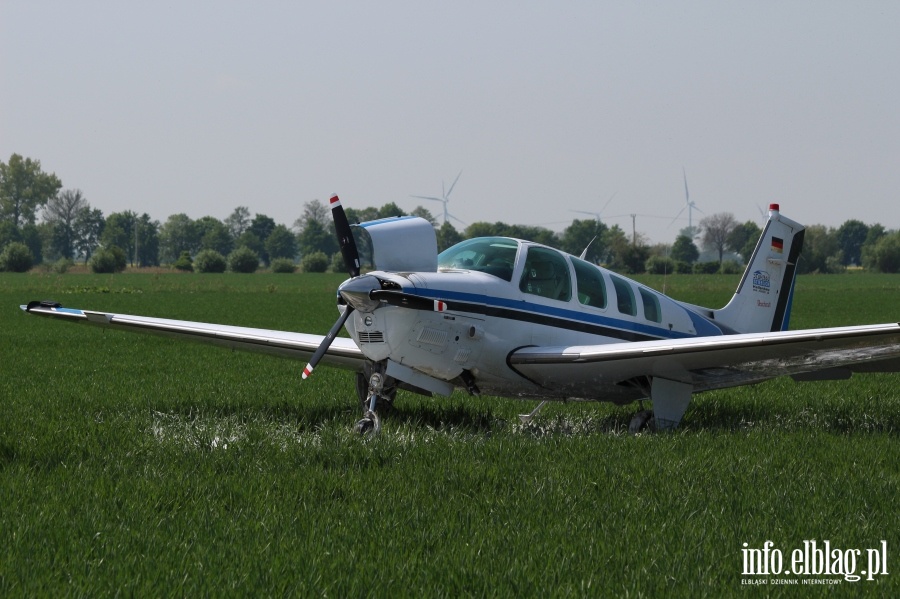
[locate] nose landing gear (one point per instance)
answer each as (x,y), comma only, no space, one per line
(378,389)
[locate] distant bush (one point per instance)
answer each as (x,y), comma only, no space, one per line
(337,263)
(108,260)
(659,265)
(683,268)
(730,267)
(706,268)
(16,257)
(62,265)
(244,260)
(283,265)
(210,261)
(184,262)
(315,262)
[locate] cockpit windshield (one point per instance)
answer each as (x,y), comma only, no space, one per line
(492,255)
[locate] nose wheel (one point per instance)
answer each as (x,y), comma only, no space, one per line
(372,392)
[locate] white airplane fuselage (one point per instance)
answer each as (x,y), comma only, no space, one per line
(480,319)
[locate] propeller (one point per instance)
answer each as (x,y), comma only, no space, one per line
(351,262)
(361,292)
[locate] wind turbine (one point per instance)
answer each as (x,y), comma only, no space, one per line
(445,199)
(597,215)
(688,204)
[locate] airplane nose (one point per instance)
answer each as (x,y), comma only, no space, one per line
(357,290)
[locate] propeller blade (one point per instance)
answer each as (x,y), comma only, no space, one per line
(345,237)
(326,342)
(449,191)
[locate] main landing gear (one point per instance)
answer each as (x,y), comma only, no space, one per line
(642,421)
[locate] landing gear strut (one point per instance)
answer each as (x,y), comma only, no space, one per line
(370,422)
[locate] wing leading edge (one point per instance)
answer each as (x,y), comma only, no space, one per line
(343,352)
(715,362)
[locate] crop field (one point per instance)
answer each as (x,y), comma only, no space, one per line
(139,465)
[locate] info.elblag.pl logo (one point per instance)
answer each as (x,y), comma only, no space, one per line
(813,559)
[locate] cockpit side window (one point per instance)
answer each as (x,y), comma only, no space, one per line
(492,255)
(624,296)
(652,311)
(591,287)
(546,274)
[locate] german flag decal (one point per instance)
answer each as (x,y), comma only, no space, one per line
(777,245)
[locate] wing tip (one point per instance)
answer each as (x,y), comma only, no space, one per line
(40,304)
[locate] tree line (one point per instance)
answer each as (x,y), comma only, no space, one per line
(69,229)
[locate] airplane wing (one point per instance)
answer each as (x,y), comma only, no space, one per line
(342,353)
(714,362)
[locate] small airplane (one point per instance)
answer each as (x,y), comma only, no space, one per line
(518,319)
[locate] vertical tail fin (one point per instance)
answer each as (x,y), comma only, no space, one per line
(762,301)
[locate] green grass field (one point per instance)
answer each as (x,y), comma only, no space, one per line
(139,465)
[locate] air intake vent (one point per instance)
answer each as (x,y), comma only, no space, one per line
(432,337)
(371,337)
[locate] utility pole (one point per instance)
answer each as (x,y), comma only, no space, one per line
(633,230)
(136,242)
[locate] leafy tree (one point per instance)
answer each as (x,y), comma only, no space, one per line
(886,253)
(423,212)
(243,260)
(249,240)
(616,245)
(716,229)
(447,236)
(480,229)
(262,226)
(31,237)
(316,238)
(584,234)
(390,209)
(214,235)
(24,188)
(61,212)
(119,232)
(16,257)
(210,261)
(851,236)
(238,221)
(147,240)
(313,211)
(9,233)
(876,232)
(88,228)
(281,243)
(743,238)
(684,250)
(108,259)
(178,234)
(819,244)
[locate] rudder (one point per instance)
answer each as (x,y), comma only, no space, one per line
(762,301)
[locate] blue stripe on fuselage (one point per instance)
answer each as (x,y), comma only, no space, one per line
(565,318)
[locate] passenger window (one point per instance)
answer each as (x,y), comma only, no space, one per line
(591,288)
(546,274)
(624,296)
(651,306)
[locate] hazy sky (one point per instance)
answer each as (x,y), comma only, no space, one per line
(546,107)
